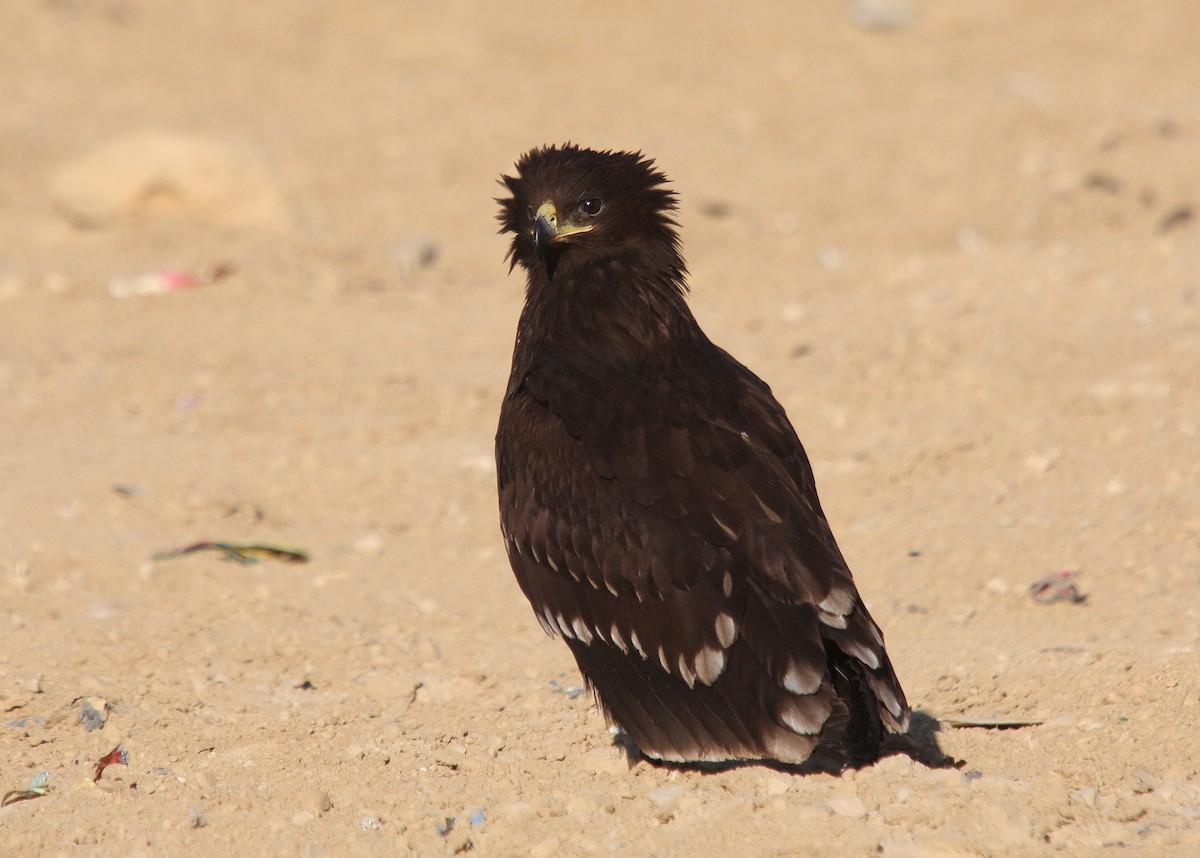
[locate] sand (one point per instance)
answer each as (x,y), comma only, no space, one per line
(251,291)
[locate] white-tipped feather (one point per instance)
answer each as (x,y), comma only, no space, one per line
(876,634)
(582,632)
(866,656)
(618,639)
(710,664)
(799,680)
(637,643)
(789,747)
(729,531)
(806,719)
(727,630)
(839,601)
(771,515)
(685,671)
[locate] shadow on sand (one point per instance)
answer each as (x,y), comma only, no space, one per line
(920,744)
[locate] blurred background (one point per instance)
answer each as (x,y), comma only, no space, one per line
(251,291)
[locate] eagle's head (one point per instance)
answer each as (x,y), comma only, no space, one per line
(572,208)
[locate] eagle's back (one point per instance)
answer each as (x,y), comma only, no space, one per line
(661,518)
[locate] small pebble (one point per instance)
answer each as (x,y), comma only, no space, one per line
(93,712)
(847,805)
(315,802)
(1086,796)
(666,799)
(412,254)
(778,784)
(1041,463)
(831,257)
(369,544)
(883,14)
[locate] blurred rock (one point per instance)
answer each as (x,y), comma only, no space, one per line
(315,802)
(369,545)
(666,801)
(152,175)
(413,254)
(93,712)
(883,14)
(847,805)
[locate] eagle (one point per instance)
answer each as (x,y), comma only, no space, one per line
(656,505)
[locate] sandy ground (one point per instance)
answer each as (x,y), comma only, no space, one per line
(964,252)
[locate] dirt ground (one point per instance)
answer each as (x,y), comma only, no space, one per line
(964,250)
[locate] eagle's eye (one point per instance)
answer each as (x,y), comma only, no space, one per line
(591,206)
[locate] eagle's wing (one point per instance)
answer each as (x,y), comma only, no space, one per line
(676,516)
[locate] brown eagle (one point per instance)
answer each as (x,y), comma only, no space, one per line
(657,507)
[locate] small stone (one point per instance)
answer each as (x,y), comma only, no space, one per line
(793,312)
(847,805)
(1041,463)
(369,545)
(315,802)
(606,761)
(151,175)
(515,810)
(302,817)
(778,784)
(578,805)
(997,585)
(883,14)
(949,779)
(1086,796)
(970,240)
(831,257)
(412,254)
(666,800)
(196,817)
(93,712)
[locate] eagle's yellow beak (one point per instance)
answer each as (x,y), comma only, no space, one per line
(546,227)
(548,230)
